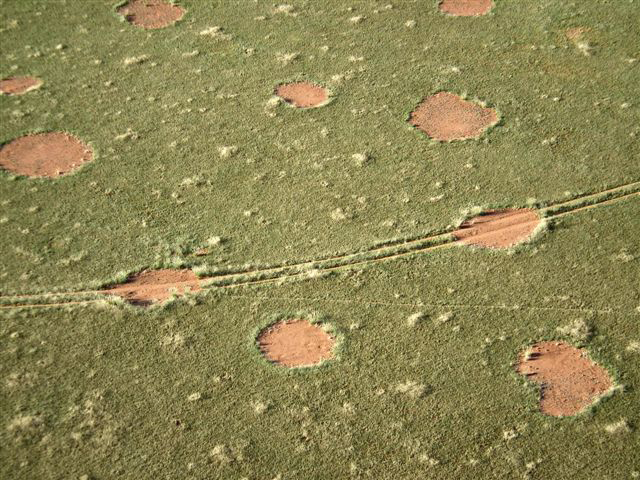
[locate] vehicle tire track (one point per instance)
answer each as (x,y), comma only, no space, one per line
(384,251)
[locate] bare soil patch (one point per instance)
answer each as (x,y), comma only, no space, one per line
(152,286)
(466,8)
(151,14)
(19,85)
(569,380)
(445,117)
(575,33)
(498,228)
(44,154)
(303,94)
(296,343)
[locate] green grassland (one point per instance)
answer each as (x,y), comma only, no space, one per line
(107,390)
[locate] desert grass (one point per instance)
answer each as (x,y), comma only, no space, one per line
(343,212)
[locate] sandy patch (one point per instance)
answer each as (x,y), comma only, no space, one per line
(152,286)
(445,117)
(44,154)
(151,13)
(303,94)
(295,343)
(465,8)
(19,85)
(570,381)
(498,228)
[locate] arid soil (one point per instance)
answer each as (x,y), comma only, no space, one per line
(44,154)
(151,13)
(295,343)
(570,381)
(302,94)
(575,33)
(19,85)
(466,8)
(498,228)
(445,117)
(152,286)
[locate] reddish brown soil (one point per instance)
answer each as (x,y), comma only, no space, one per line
(570,381)
(498,228)
(151,13)
(302,94)
(466,8)
(19,85)
(575,33)
(445,117)
(44,154)
(296,343)
(153,286)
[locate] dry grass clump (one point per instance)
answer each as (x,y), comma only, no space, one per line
(227,151)
(24,427)
(216,33)
(633,346)
(223,454)
(128,61)
(415,318)
(621,426)
(578,330)
(412,389)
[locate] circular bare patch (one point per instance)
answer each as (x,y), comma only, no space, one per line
(466,8)
(570,381)
(19,85)
(151,286)
(445,117)
(151,13)
(296,343)
(44,154)
(498,228)
(303,94)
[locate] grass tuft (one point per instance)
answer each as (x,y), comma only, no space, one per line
(227,151)
(412,389)
(621,426)
(578,331)
(415,319)
(135,60)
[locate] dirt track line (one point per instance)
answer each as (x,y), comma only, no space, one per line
(45,305)
(223,276)
(514,308)
(623,187)
(392,256)
(594,205)
(387,251)
(311,263)
(280,278)
(306,274)
(390,244)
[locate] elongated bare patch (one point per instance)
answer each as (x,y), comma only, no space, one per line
(445,117)
(498,228)
(466,8)
(44,154)
(152,286)
(19,85)
(151,14)
(570,381)
(303,94)
(295,343)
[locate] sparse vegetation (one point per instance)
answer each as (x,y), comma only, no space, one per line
(345,211)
